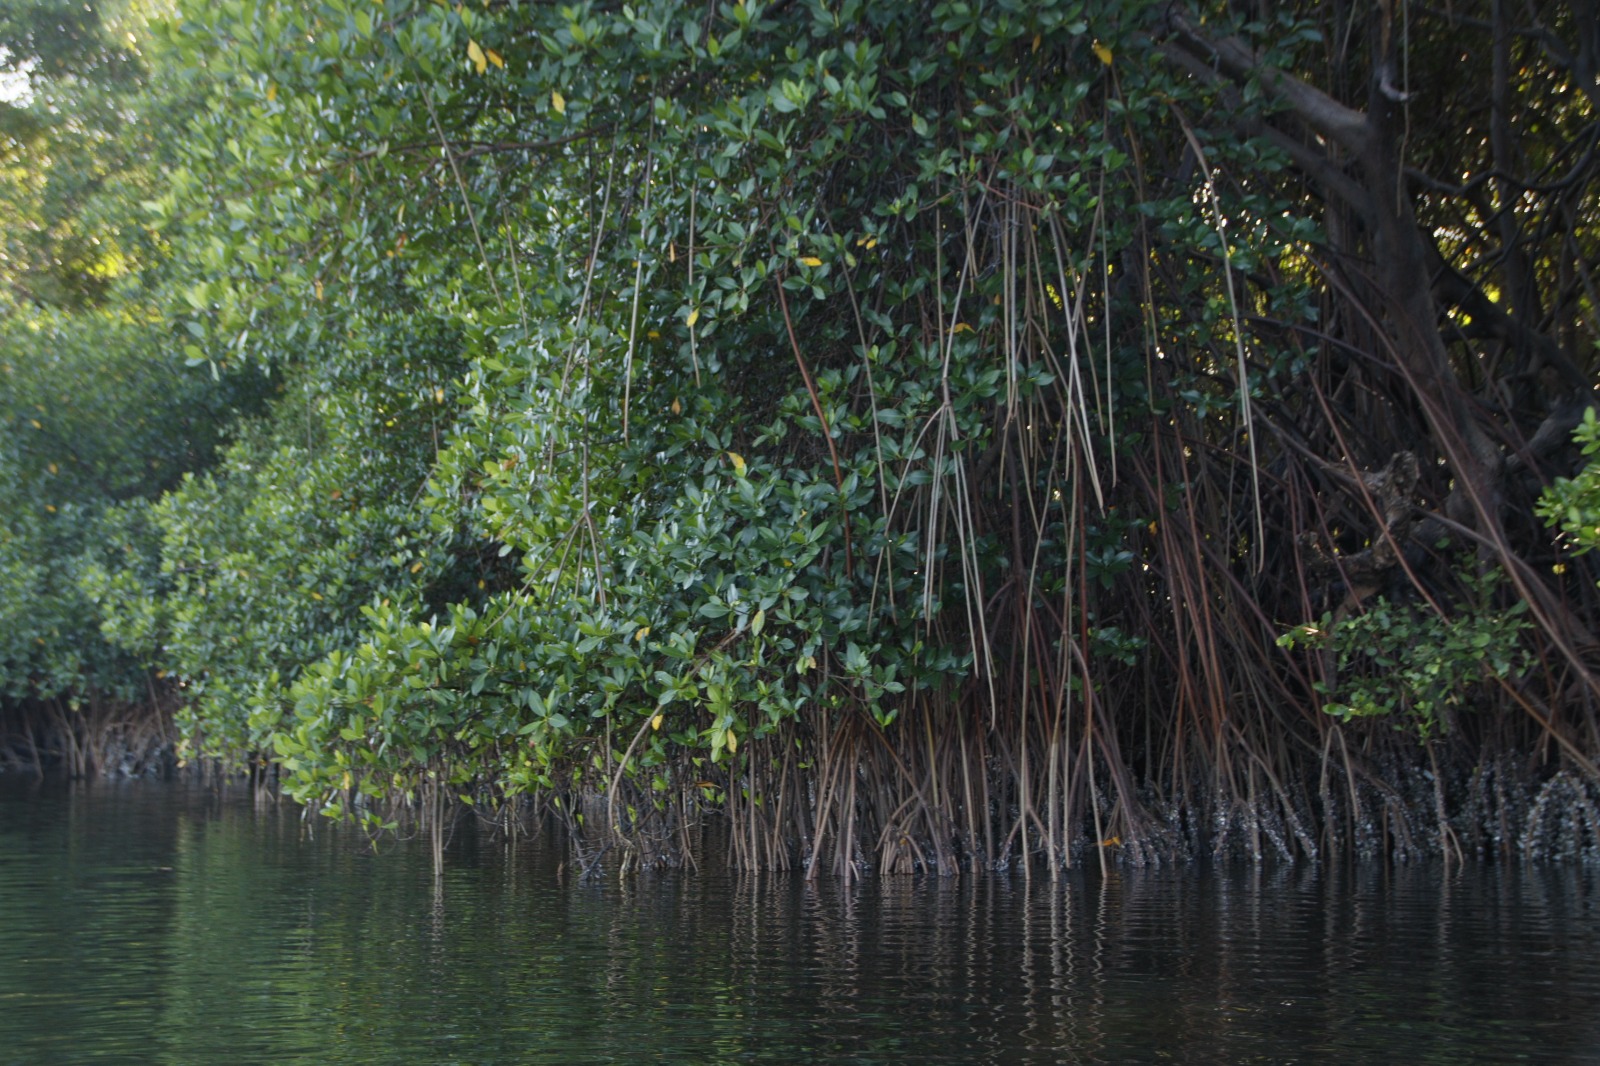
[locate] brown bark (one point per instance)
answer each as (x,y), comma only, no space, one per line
(1403,270)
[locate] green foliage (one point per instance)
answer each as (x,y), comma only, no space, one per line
(77,151)
(746,297)
(100,411)
(267,560)
(636,393)
(96,420)
(58,38)
(1572,505)
(1413,665)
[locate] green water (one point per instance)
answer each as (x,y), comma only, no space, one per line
(146,924)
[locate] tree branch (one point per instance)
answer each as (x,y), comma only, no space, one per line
(1316,165)
(1350,128)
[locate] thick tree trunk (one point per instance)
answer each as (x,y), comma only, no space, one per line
(1322,136)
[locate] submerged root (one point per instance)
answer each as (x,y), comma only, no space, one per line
(866,809)
(1563,821)
(89,739)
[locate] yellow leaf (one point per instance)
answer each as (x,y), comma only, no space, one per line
(1036,42)
(479,61)
(872,242)
(316,595)
(644,631)
(733,741)
(496,58)
(655,723)
(53,468)
(558,102)
(672,251)
(1110,842)
(319,288)
(416,566)
(438,395)
(811,261)
(738,463)
(50,507)
(961,327)
(1102,53)
(677,408)
(694,316)
(654,334)
(272,93)
(35,422)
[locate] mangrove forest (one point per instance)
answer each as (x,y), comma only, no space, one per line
(875,436)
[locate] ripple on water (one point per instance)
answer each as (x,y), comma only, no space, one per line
(149,924)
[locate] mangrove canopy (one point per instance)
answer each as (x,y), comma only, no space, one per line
(908,436)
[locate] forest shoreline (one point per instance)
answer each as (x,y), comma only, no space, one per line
(1395,809)
(932,437)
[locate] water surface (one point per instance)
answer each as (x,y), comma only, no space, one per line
(152,924)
